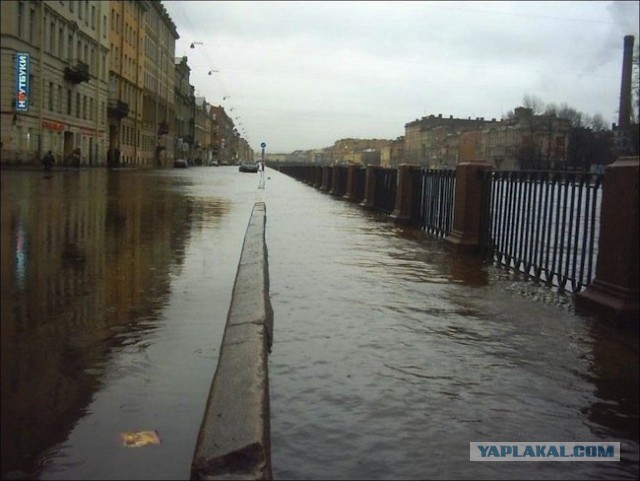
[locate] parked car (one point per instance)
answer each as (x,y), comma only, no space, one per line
(248,166)
(181,163)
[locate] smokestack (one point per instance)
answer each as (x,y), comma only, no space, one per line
(624,112)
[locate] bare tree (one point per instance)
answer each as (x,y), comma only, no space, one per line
(509,115)
(575,117)
(597,122)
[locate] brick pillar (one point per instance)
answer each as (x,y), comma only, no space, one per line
(468,205)
(402,210)
(369,187)
(335,180)
(318,173)
(613,294)
(326,177)
(351,175)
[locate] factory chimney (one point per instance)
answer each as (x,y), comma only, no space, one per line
(624,112)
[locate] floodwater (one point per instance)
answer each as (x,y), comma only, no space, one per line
(115,292)
(390,353)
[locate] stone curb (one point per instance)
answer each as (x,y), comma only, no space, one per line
(234,438)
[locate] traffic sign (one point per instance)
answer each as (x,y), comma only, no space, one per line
(263,145)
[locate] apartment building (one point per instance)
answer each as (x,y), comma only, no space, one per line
(425,139)
(224,136)
(526,142)
(157,132)
(203,132)
(53,89)
(347,151)
(185,110)
(393,154)
(126,81)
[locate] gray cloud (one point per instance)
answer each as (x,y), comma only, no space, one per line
(301,75)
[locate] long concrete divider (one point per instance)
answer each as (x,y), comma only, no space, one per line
(234,438)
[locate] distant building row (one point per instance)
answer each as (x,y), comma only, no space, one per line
(102,77)
(523,142)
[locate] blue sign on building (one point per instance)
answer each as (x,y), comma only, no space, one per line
(22,82)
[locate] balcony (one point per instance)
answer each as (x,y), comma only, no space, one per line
(117,109)
(77,72)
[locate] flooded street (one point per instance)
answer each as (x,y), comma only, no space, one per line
(390,354)
(115,291)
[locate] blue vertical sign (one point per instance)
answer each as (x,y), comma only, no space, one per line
(22,82)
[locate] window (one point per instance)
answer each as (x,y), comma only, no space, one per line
(60,98)
(84,107)
(32,24)
(60,42)
(93,17)
(68,101)
(70,47)
(52,37)
(80,10)
(71,3)
(50,96)
(20,18)
(104,25)
(77,105)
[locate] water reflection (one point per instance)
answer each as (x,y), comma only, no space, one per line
(86,264)
(614,371)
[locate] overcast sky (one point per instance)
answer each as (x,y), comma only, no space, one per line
(301,75)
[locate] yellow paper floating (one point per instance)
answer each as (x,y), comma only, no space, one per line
(137,439)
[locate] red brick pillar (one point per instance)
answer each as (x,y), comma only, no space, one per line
(351,175)
(318,172)
(613,294)
(402,210)
(369,187)
(326,177)
(335,180)
(468,205)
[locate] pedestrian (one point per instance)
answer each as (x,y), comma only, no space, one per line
(75,158)
(117,156)
(48,160)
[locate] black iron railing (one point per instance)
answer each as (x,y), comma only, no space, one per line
(544,224)
(432,200)
(384,194)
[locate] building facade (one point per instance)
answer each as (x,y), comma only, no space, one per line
(126,67)
(223,141)
(54,88)
(158,94)
(185,111)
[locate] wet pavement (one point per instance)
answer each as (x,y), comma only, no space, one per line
(390,353)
